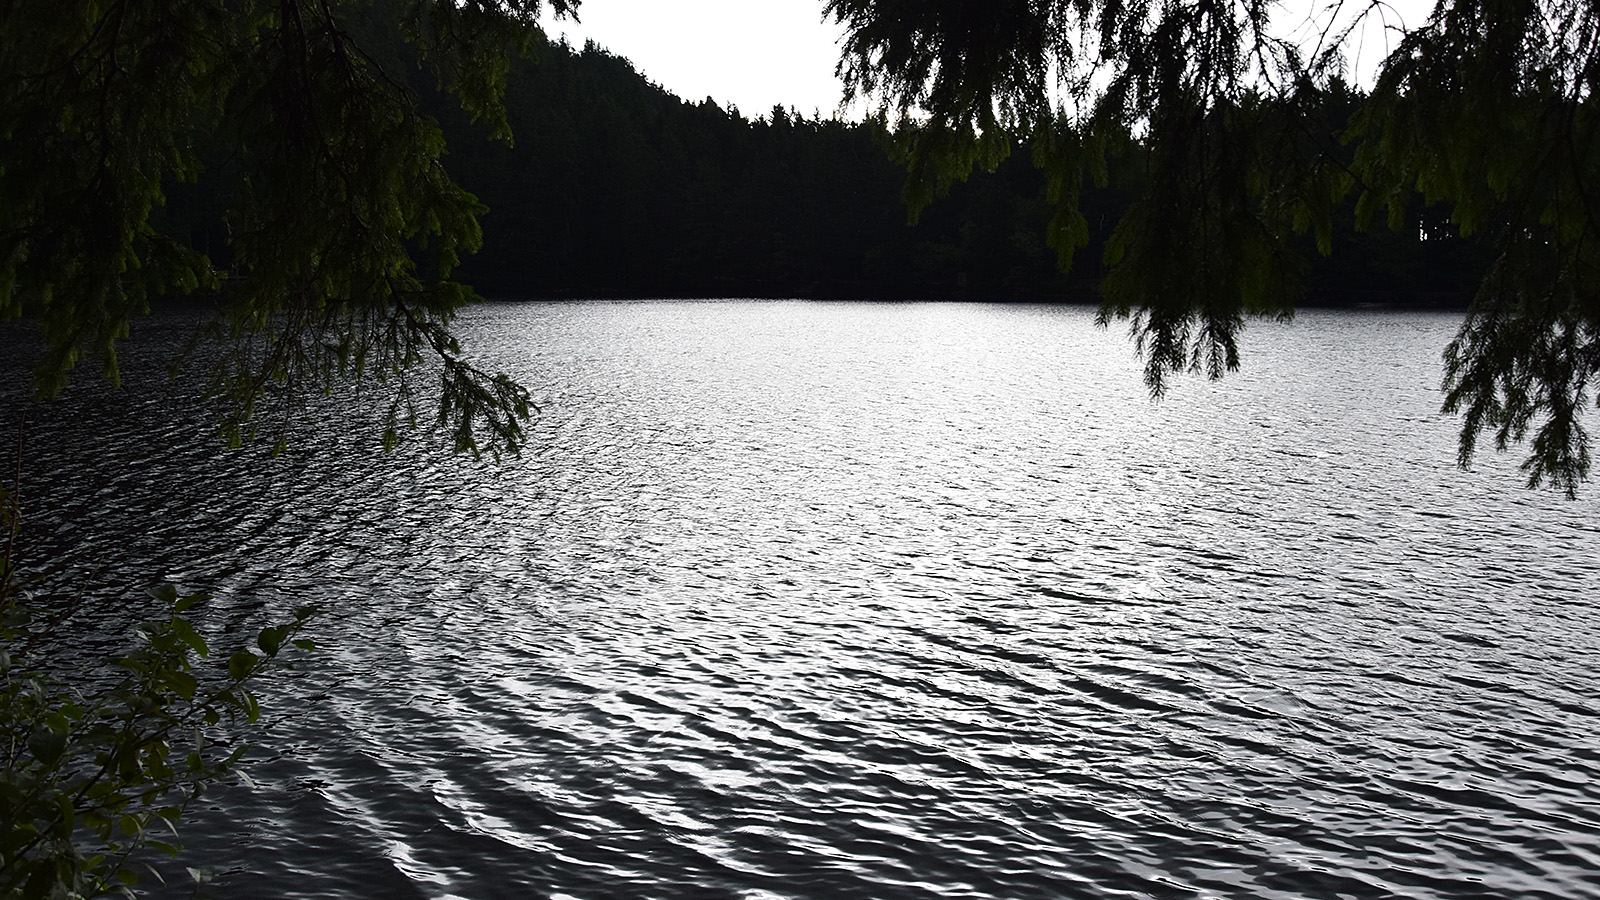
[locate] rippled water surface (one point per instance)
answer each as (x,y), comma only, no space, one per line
(882,601)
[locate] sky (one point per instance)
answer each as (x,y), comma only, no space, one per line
(755,54)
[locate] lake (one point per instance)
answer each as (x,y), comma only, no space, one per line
(817,600)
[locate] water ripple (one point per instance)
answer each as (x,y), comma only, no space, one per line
(897,601)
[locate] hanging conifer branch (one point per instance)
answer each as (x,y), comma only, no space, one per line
(336,203)
(1487,108)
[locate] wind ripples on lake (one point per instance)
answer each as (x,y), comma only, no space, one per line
(847,600)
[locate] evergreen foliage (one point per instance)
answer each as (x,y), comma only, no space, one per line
(339,227)
(1487,110)
(328,234)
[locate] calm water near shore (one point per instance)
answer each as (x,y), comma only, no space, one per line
(831,600)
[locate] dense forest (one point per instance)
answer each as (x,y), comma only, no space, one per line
(616,188)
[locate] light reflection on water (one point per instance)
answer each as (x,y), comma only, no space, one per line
(844,600)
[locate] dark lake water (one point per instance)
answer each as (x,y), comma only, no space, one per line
(810,600)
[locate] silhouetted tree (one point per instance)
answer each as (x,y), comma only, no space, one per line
(1488,108)
(326,228)
(339,227)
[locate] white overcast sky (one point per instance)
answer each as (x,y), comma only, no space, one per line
(755,54)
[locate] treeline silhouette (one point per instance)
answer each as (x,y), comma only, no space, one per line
(617,188)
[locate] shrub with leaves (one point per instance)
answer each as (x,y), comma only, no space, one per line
(99,758)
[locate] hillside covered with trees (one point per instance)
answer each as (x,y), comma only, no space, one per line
(616,188)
